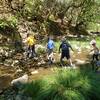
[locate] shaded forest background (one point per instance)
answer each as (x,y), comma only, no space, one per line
(45,17)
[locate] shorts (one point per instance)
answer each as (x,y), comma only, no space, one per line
(95,56)
(65,54)
(50,51)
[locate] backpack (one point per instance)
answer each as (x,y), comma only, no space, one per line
(65,46)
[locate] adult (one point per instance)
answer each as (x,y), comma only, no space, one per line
(65,51)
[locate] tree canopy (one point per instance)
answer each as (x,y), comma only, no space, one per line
(75,13)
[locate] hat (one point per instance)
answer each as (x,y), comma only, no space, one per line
(92,42)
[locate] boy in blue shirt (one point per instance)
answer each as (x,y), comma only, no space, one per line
(50,48)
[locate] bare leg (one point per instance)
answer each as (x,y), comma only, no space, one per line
(70,61)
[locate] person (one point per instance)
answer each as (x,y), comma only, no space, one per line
(95,50)
(93,41)
(31,45)
(65,52)
(50,48)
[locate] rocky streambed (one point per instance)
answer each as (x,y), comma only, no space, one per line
(15,65)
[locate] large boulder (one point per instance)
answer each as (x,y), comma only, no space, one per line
(78,61)
(21,80)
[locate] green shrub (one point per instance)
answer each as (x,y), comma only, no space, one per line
(66,85)
(10,22)
(34,88)
(41,51)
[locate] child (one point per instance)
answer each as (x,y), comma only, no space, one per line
(93,41)
(31,45)
(50,48)
(65,52)
(96,52)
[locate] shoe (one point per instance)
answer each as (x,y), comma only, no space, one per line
(73,66)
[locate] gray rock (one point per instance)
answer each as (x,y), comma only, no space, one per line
(1,50)
(19,70)
(8,62)
(22,80)
(78,61)
(15,63)
(6,53)
(34,72)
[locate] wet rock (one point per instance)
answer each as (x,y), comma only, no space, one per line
(43,62)
(18,56)
(7,54)
(34,72)
(1,50)
(78,61)
(39,63)
(11,53)
(8,62)
(22,80)
(19,70)
(15,63)
(36,58)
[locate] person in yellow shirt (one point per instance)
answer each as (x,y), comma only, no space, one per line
(31,45)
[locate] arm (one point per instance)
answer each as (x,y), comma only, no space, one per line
(53,45)
(91,50)
(98,49)
(71,47)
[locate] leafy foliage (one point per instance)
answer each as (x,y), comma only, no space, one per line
(71,13)
(10,22)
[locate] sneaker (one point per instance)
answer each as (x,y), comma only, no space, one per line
(73,66)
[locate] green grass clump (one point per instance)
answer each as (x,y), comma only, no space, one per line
(65,85)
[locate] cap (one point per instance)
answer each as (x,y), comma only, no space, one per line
(93,42)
